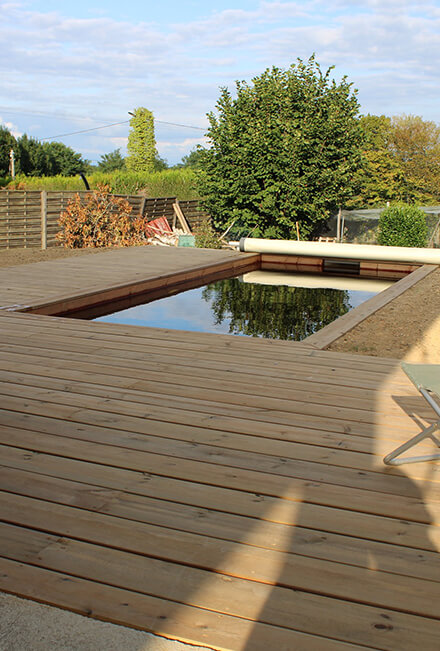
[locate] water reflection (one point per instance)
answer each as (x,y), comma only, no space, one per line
(247,309)
(275,312)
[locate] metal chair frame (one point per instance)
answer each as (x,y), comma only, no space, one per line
(428,432)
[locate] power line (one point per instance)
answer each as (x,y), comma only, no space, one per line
(186,126)
(104,126)
(73,133)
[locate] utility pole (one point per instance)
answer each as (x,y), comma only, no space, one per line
(12,163)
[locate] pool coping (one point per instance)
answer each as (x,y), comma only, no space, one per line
(157,287)
(341,326)
(166,284)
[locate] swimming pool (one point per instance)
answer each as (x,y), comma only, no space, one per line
(240,306)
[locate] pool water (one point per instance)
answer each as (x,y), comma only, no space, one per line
(235,307)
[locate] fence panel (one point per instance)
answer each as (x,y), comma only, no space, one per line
(29,218)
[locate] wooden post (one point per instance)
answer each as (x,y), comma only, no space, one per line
(142,209)
(43,219)
(181,218)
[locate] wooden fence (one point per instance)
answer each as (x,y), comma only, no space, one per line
(29,218)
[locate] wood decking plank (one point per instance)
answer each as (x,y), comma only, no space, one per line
(149,450)
(316,543)
(208,441)
(216,415)
(247,470)
(382,523)
(201,345)
(185,623)
(222,392)
(326,578)
(301,612)
(209,474)
(241,383)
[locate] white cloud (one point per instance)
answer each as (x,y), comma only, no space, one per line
(100,67)
(11,127)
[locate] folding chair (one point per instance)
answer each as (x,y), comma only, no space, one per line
(426,377)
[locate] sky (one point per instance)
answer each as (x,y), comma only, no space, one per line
(67,67)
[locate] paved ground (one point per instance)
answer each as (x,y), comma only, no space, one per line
(28,626)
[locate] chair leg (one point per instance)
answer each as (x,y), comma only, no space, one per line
(428,432)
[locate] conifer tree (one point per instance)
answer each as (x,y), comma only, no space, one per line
(141,145)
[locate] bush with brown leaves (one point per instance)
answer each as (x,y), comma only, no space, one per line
(99,220)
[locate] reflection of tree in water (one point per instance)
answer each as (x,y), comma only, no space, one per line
(276,312)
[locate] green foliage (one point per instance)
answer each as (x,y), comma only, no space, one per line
(33,158)
(111,162)
(141,145)
(415,144)
(7,142)
(380,178)
(401,161)
(206,237)
(193,159)
(284,151)
(5,181)
(274,312)
(403,225)
(178,183)
(160,163)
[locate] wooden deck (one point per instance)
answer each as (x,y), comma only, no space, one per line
(218,490)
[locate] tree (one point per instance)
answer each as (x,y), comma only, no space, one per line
(415,145)
(141,142)
(61,159)
(7,142)
(283,151)
(274,312)
(32,157)
(380,177)
(160,163)
(193,159)
(111,162)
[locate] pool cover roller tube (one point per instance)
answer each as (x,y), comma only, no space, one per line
(328,250)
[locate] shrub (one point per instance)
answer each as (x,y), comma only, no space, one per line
(403,225)
(99,220)
(206,236)
(178,183)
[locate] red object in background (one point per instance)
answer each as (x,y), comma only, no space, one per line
(157,226)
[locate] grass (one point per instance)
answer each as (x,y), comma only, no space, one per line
(178,183)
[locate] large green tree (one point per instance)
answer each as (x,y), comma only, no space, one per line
(62,159)
(284,150)
(380,177)
(400,161)
(141,145)
(415,144)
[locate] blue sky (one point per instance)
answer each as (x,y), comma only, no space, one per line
(72,66)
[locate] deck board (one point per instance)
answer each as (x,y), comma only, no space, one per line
(222,491)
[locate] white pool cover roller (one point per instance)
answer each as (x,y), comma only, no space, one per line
(342,251)
(316,281)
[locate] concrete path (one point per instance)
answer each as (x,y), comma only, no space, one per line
(26,625)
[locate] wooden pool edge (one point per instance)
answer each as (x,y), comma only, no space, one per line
(344,324)
(164,284)
(157,287)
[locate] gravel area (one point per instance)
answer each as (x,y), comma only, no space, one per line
(12,257)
